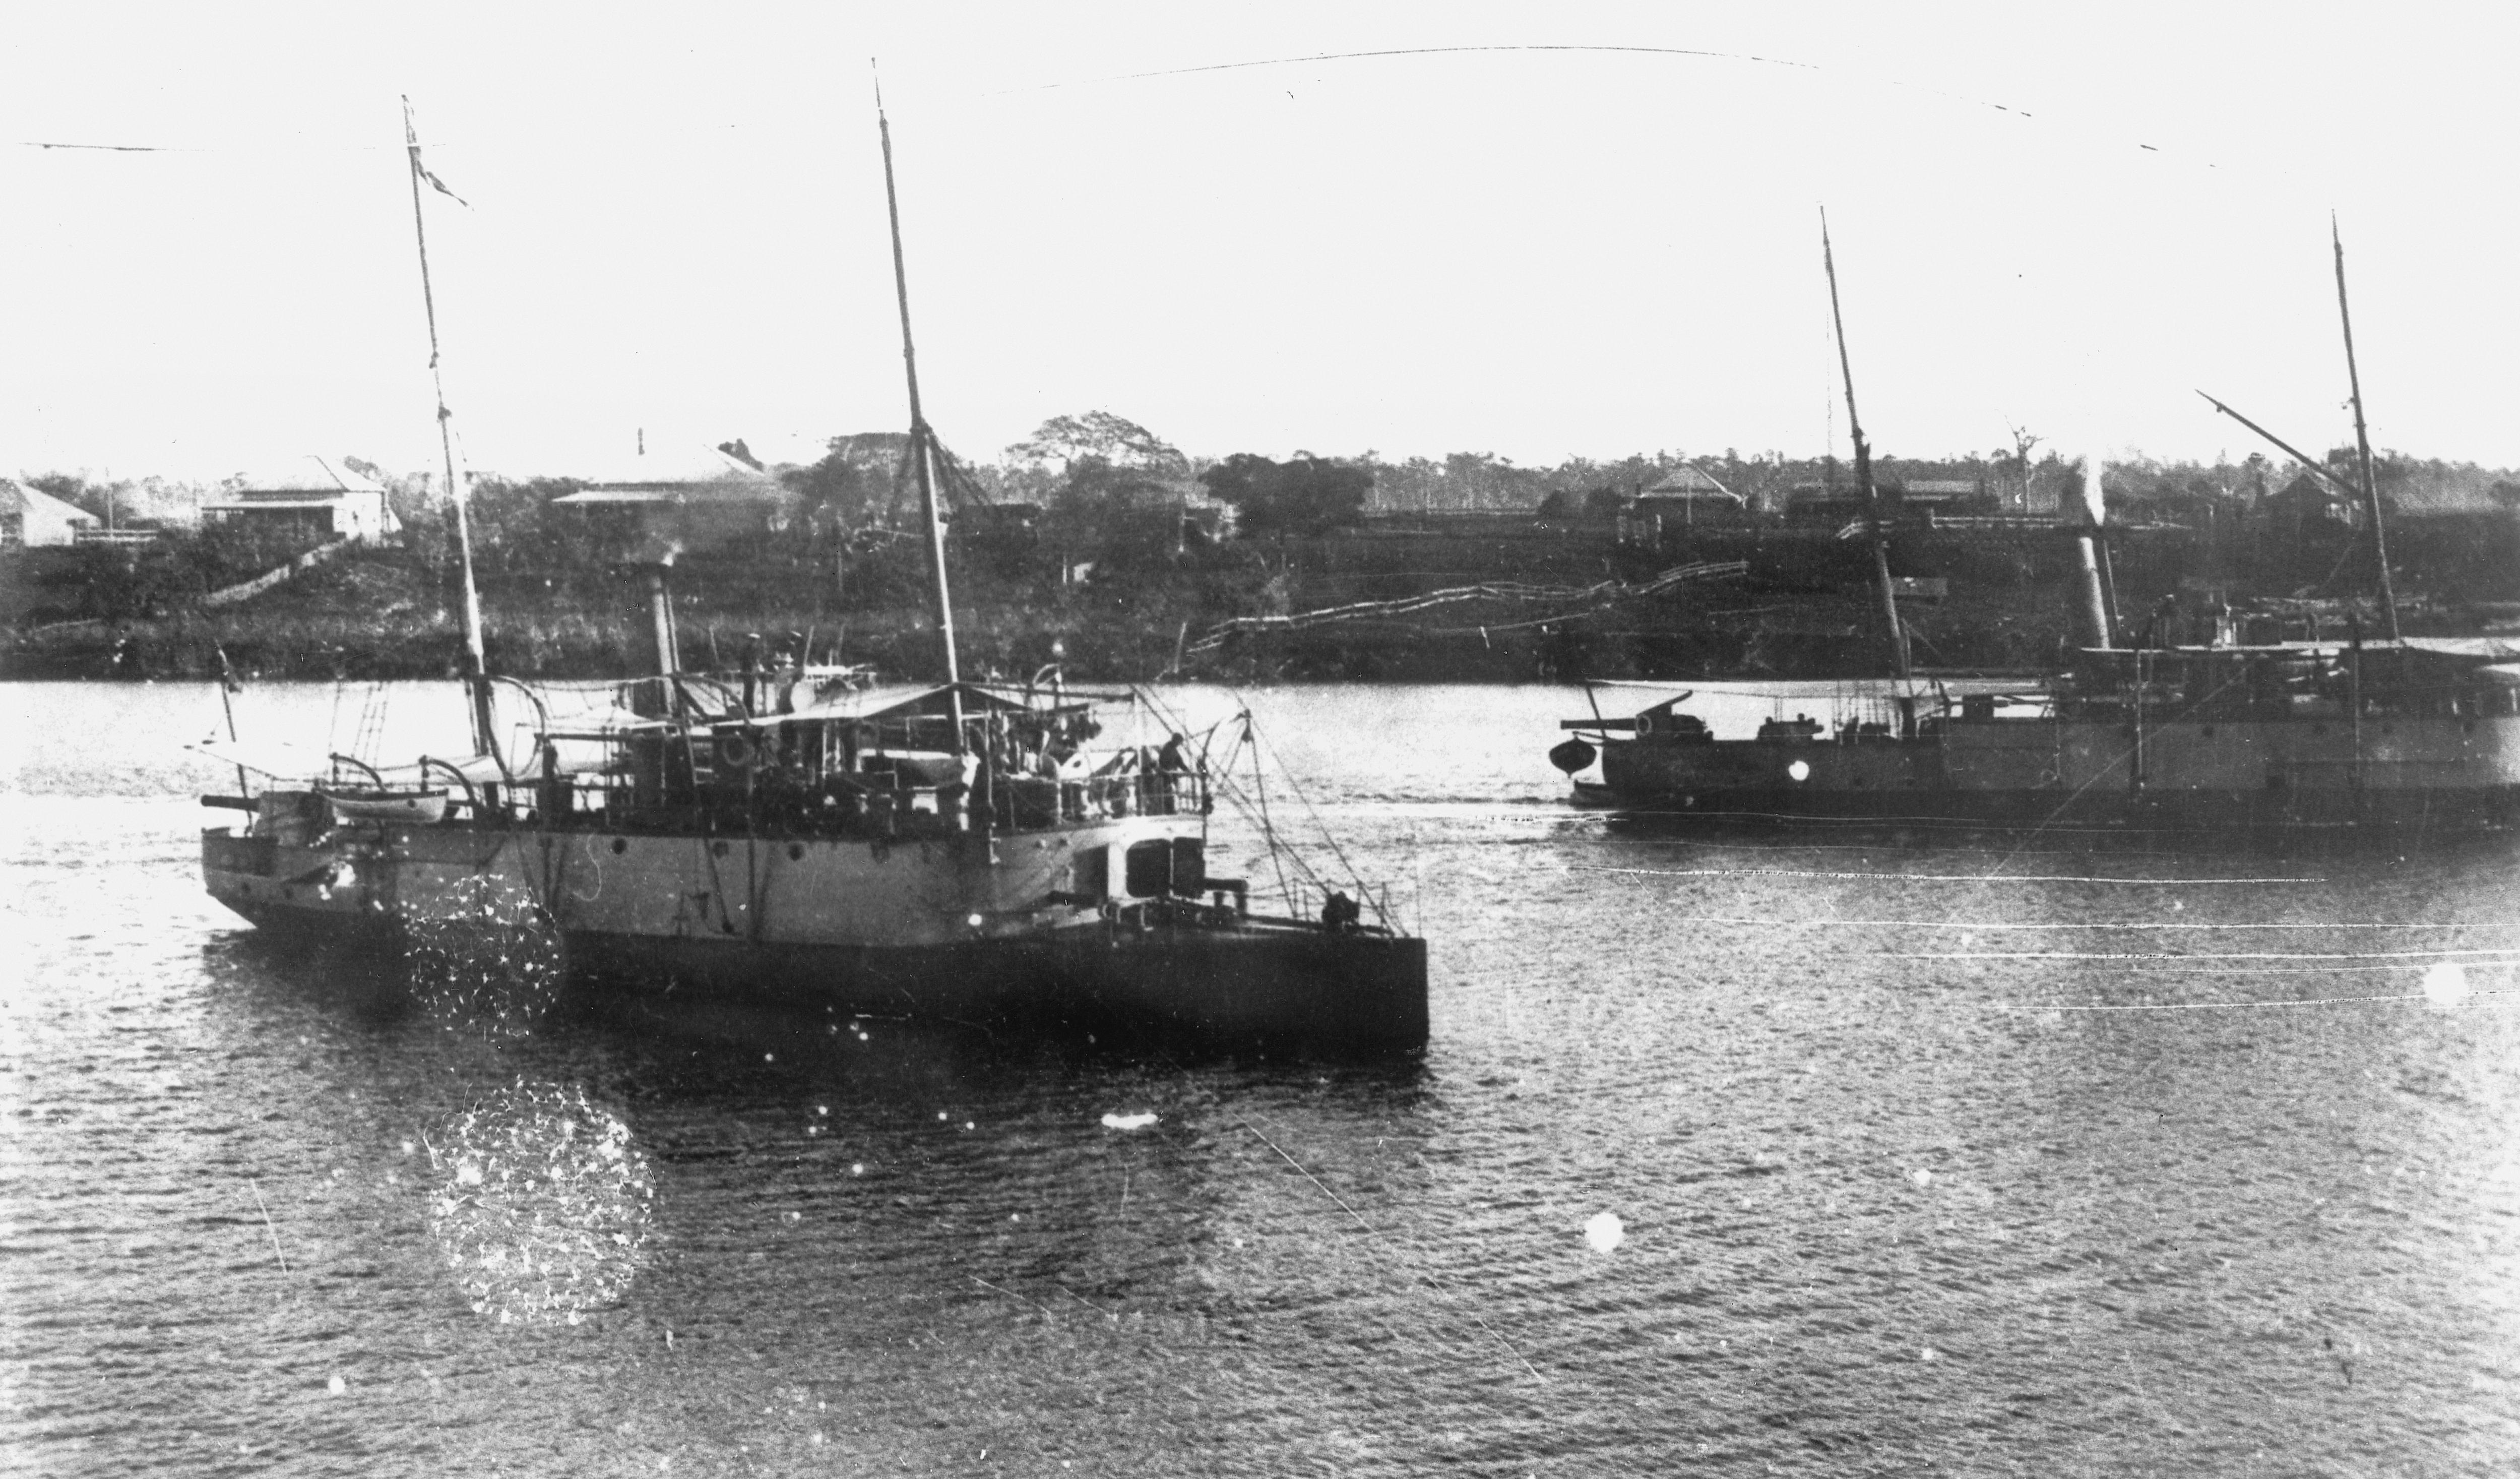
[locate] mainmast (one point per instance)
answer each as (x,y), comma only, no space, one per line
(1897,634)
(2363,443)
(921,441)
(477,676)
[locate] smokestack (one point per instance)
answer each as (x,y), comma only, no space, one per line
(2088,614)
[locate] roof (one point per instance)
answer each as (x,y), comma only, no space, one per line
(262,500)
(1690,483)
(15,499)
(666,477)
(299,474)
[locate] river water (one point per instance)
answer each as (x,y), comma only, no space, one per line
(1805,1154)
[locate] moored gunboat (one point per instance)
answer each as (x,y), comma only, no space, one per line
(2208,734)
(817,841)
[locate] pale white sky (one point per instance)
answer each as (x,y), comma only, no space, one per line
(676,223)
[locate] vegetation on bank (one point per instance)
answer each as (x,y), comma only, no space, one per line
(1092,544)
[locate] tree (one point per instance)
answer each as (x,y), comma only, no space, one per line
(1116,440)
(1122,518)
(1304,495)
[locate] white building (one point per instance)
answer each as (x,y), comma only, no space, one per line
(33,519)
(311,496)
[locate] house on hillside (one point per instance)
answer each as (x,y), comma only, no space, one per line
(33,519)
(308,497)
(1684,499)
(689,499)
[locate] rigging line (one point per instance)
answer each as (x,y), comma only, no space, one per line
(1319,825)
(1370,1231)
(2112,924)
(1789,873)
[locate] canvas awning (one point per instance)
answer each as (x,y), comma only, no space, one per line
(887,700)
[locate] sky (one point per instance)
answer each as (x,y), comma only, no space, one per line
(1538,232)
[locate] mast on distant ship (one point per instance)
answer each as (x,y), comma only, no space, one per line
(922,442)
(477,676)
(1897,633)
(2363,443)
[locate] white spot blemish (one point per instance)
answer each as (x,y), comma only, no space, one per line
(337,1386)
(1927,1354)
(857,1168)
(1128,1121)
(1921,1177)
(1800,770)
(2445,984)
(1604,1232)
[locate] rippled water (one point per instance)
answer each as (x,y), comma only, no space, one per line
(1891,1194)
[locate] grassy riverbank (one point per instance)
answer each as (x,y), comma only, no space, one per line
(1513,601)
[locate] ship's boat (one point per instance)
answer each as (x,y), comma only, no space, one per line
(387,804)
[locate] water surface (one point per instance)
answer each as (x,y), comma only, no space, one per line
(1893,1194)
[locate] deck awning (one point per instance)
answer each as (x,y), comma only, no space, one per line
(888,700)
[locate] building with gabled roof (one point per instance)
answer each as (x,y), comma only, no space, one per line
(309,496)
(32,519)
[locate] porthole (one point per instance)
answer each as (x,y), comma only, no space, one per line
(717,849)
(620,845)
(796,852)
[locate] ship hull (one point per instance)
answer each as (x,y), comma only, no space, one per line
(959,928)
(2444,774)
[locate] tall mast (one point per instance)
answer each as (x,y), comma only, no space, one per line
(922,439)
(477,677)
(2362,443)
(1897,633)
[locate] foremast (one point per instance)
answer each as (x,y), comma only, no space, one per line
(477,676)
(922,446)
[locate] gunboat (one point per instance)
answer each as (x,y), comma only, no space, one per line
(815,839)
(2187,726)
